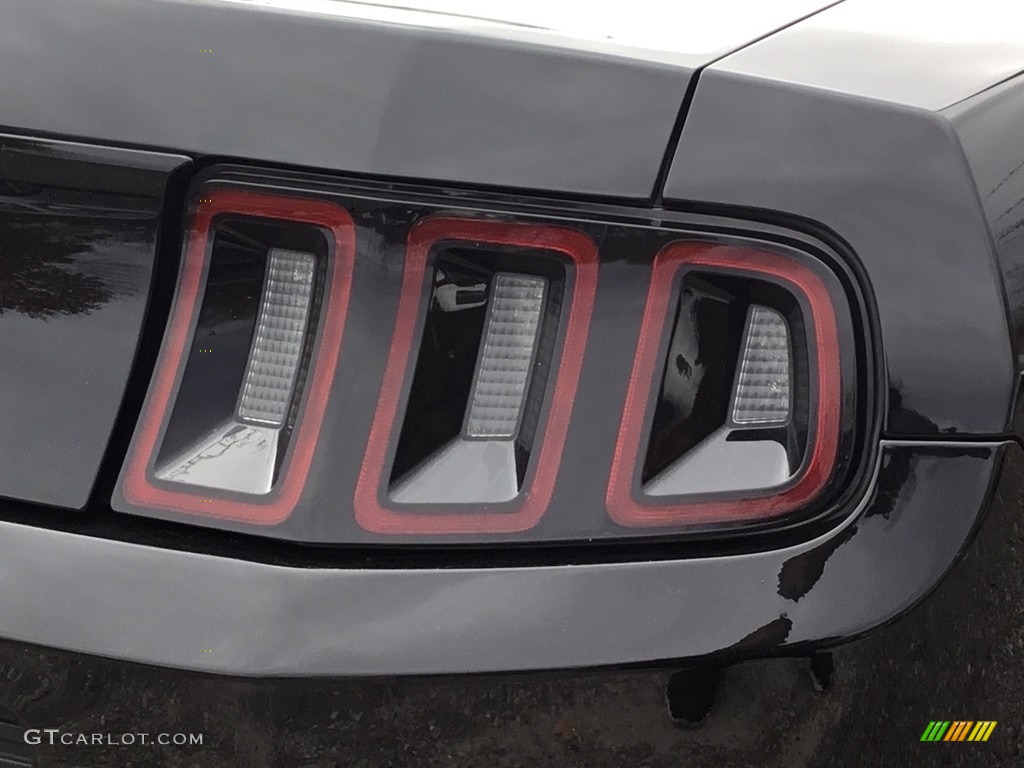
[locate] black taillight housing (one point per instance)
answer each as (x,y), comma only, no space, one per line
(432,465)
(241,384)
(735,401)
(368,364)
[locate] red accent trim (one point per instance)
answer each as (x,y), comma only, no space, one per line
(369,511)
(622,507)
(282,500)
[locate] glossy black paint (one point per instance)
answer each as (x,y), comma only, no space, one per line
(957,654)
(891,182)
(264,619)
(627,241)
(78,230)
(325,91)
(988,126)
(882,175)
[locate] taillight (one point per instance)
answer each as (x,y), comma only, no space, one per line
(733,408)
(240,387)
(491,328)
(364,365)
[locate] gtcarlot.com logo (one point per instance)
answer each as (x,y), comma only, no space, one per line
(54,736)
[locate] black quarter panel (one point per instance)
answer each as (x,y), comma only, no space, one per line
(893,183)
(989,128)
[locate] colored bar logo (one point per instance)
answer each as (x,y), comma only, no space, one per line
(958,730)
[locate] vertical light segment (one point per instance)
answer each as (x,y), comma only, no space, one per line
(543,369)
(762,387)
(503,369)
(277,342)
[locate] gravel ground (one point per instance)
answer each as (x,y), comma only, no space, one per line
(960,655)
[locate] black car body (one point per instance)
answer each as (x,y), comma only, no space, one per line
(854,168)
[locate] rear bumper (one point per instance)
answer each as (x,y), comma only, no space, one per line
(225,615)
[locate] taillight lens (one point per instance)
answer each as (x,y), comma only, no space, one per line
(240,387)
(483,307)
(734,404)
(355,365)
